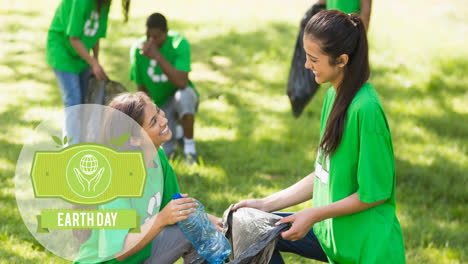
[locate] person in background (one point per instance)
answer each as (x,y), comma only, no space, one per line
(76,29)
(361,7)
(160,65)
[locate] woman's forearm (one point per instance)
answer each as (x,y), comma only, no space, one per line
(78,46)
(346,206)
(295,194)
(134,242)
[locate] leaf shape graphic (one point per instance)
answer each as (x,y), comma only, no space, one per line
(70,141)
(57,140)
(65,140)
(122,139)
(113,141)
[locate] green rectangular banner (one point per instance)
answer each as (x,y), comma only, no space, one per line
(63,219)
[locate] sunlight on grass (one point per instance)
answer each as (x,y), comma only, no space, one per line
(6,165)
(40,113)
(250,143)
(215,133)
(201,72)
(17,251)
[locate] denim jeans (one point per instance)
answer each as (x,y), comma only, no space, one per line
(74,88)
(308,247)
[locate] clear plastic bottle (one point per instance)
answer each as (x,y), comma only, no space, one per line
(209,243)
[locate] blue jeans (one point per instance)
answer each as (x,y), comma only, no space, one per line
(308,247)
(74,88)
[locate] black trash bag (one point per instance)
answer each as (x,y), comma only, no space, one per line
(253,235)
(301,82)
(101,93)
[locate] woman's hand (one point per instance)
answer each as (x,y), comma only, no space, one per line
(177,210)
(302,222)
(98,71)
(217,222)
(252,203)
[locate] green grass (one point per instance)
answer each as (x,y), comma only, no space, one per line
(250,143)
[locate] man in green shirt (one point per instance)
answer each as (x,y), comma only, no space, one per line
(160,63)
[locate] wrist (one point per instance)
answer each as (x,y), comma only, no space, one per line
(93,61)
(157,56)
(159,221)
(266,205)
(320,213)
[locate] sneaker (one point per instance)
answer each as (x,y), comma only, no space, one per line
(191,159)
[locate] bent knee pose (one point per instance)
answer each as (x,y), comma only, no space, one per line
(160,64)
(160,241)
(353,216)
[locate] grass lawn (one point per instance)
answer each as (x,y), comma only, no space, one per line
(249,141)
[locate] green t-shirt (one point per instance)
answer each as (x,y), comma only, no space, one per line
(105,243)
(362,163)
(75,18)
(347,6)
(145,71)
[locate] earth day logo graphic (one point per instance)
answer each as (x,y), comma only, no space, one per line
(94,174)
(89,180)
(75,190)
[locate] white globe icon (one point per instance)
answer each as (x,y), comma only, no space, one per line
(88,164)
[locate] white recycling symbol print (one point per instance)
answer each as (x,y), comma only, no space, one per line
(92,25)
(155,77)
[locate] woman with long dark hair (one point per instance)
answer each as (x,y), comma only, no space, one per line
(76,28)
(353,216)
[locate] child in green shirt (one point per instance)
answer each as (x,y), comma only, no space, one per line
(353,185)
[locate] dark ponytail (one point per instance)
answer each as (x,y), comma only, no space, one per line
(337,34)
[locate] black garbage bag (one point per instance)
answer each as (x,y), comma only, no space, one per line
(253,235)
(301,82)
(102,92)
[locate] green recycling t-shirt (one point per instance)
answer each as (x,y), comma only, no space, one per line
(74,18)
(347,6)
(362,163)
(105,243)
(145,71)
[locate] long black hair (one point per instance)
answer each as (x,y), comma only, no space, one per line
(125,7)
(338,33)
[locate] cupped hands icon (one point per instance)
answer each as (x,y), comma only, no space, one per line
(83,179)
(88,165)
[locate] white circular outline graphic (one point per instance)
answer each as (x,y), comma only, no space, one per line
(110,179)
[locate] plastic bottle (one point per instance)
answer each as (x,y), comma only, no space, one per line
(209,243)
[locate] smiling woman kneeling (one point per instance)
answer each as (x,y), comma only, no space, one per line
(160,240)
